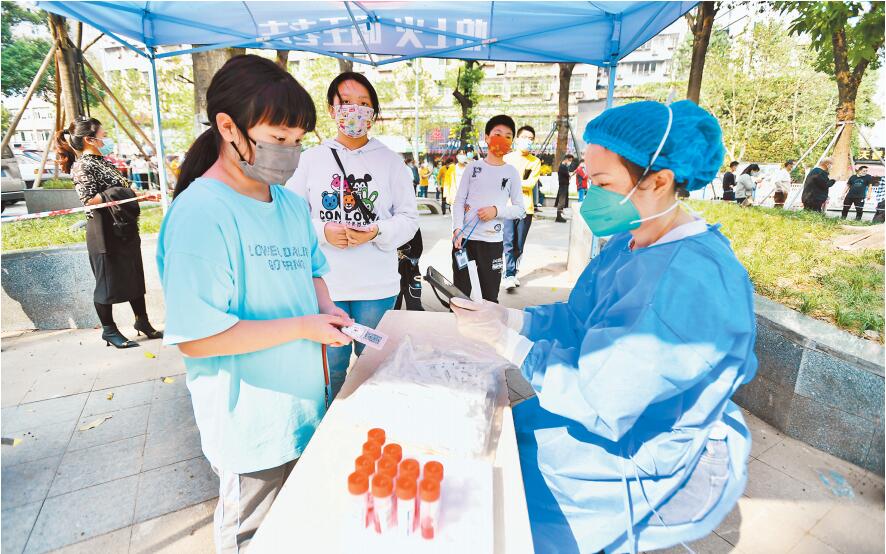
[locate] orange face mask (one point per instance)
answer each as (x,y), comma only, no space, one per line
(499,145)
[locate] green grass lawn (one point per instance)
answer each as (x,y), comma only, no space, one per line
(55,231)
(792,260)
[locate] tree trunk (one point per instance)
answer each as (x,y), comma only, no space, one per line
(701,25)
(563,112)
(205,66)
(283,59)
(847,89)
(464,100)
(345,65)
(68,76)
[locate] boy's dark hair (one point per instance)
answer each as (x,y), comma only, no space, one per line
(569,157)
(332,91)
(733,164)
(525,128)
(501,119)
(859,168)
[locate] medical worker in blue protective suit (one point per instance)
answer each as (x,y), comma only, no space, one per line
(632,442)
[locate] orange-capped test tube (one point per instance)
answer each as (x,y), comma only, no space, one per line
(433,470)
(372,450)
(387,466)
(429,508)
(364,464)
(410,467)
(376,434)
(393,450)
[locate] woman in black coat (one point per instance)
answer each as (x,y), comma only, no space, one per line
(112,238)
(815,188)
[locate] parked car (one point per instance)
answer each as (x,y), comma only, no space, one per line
(29,165)
(11,181)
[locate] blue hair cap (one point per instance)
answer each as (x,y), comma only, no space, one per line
(693,150)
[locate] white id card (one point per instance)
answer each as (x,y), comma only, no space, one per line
(369,337)
(461,258)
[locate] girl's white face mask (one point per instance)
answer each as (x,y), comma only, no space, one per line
(353,121)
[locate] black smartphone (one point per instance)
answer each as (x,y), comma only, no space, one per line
(442,285)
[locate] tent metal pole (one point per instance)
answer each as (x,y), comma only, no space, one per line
(360,33)
(158,132)
(610,92)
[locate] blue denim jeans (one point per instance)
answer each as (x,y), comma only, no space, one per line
(364,312)
(514,235)
(581,194)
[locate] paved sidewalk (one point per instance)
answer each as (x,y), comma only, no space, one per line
(138,481)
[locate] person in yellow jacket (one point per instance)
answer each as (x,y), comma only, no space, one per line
(453,177)
(441,182)
(516,230)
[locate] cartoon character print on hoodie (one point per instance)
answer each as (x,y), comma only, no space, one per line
(346,198)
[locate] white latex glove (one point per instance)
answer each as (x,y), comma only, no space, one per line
(495,325)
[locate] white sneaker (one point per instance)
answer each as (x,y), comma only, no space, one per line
(509,283)
(516,281)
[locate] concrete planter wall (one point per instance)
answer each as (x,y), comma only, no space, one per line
(44,200)
(818,384)
(51,288)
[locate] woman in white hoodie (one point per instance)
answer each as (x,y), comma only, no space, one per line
(363,208)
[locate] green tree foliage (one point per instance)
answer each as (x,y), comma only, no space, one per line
(315,75)
(399,90)
(176,100)
(861,21)
(466,96)
(764,88)
(22,56)
(4,120)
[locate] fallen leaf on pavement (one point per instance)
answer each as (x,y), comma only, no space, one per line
(168,380)
(10,441)
(149,355)
(95,423)
(110,396)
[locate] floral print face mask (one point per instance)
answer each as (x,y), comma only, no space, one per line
(354,121)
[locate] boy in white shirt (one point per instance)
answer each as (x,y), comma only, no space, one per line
(481,205)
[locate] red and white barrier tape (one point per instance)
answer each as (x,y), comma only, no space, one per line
(66,211)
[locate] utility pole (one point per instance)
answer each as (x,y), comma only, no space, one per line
(415,139)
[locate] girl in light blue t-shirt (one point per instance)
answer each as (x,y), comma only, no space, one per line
(246,303)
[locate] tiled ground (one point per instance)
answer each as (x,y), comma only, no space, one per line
(62,485)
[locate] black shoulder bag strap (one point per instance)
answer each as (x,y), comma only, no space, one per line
(368,214)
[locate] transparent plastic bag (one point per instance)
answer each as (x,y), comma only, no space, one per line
(436,399)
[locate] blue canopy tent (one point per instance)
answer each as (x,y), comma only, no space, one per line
(597,33)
